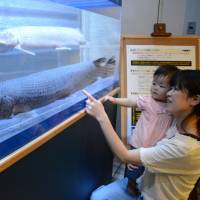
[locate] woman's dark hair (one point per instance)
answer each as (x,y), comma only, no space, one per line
(189,80)
(166,70)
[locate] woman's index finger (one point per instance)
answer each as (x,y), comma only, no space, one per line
(88,95)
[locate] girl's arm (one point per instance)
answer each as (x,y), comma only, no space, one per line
(95,108)
(122,101)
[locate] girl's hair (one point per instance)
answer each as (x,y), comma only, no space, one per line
(166,70)
(189,80)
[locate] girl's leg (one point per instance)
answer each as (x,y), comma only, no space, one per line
(132,176)
(116,190)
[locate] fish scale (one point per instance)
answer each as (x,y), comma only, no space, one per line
(25,93)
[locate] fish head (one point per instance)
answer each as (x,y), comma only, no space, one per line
(7,41)
(105,67)
(6,106)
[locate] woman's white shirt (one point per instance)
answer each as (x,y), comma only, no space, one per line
(172,167)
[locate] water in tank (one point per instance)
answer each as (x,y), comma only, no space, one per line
(49,52)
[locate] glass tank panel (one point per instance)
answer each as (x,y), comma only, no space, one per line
(49,52)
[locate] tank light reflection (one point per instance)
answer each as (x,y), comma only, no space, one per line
(87,3)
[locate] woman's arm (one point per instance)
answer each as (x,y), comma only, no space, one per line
(95,108)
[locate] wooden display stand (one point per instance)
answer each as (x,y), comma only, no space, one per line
(68,162)
(167,44)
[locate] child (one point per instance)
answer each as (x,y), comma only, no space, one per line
(154,120)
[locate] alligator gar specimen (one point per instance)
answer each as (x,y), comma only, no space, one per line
(38,89)
(25,38)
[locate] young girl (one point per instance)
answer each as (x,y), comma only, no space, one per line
(154,120)
(172,166)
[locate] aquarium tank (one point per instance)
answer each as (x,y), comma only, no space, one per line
(49,52)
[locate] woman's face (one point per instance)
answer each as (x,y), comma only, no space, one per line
(178,101)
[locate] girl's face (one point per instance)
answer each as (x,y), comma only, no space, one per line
(159,88)
(178,102)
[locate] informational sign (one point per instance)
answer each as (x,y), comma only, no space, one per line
(142,61)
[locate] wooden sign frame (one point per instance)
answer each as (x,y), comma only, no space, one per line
(143,40)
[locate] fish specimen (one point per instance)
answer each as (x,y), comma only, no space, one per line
(25,38)
(35,90)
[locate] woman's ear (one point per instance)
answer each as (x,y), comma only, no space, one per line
(195,100)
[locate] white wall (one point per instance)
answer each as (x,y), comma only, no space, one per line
(192,14)
(174,14)
(114,12)
(138,16)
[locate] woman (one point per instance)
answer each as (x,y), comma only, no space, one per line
(172,166)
